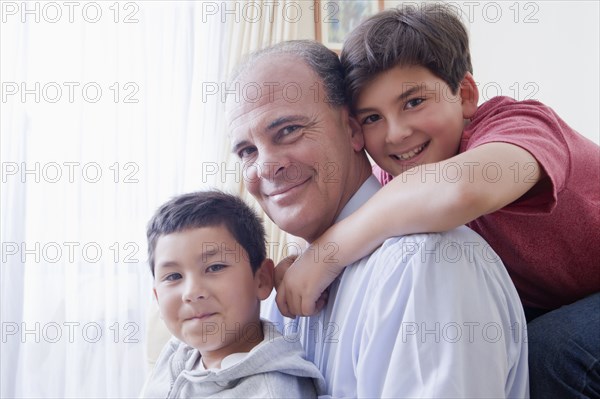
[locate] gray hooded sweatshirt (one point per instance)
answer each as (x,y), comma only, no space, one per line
(275,368)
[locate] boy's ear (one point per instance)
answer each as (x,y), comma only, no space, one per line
(469,95)
(264,279)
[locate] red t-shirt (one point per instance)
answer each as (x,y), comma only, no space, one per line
(549,239)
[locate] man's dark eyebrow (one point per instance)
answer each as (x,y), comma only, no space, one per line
(272,126)
(401,97)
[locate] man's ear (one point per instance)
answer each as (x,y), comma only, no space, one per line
(264,279)
(469,95)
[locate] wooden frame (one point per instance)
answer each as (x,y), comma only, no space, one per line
(334,19)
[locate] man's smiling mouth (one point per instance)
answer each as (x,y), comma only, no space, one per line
(281,191)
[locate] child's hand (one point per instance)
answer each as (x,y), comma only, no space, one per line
(303,290)
(281,268)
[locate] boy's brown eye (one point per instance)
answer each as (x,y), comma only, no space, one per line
(414,102)
(173,277)
(371,119)
(215,268)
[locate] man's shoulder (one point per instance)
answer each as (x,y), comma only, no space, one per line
(433,256)
(409,245)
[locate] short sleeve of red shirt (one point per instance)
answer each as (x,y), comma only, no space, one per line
(533,127)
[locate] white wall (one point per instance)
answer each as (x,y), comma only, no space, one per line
(556,54)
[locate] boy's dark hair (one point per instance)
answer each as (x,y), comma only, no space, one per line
(209,209)
(431,36)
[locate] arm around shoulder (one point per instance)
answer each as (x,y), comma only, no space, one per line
(428,198)
(437,197)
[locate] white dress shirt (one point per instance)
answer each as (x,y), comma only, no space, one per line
(425,315)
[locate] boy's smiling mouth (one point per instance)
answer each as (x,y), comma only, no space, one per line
(201,316)
(410,154)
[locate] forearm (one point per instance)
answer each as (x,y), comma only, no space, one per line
(433,198)
(416,202)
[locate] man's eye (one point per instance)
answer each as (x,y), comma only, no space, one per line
(289,130)
(413,102)
(246,152)
(370,119)
(172,277)
(215,268)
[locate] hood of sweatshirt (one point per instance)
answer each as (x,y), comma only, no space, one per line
(275,354)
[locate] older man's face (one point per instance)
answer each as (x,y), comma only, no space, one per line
(296,150)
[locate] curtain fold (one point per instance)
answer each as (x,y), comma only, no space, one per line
(84,172)
(218,165)
(137,122)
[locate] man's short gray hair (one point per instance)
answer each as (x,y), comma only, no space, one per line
(324,62)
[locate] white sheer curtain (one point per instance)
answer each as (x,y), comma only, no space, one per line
(100,125)
(250,25)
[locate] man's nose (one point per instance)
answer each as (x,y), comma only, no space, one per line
(195,289)
(271,164)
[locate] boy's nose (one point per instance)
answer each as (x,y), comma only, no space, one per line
(397,132)
(194,291)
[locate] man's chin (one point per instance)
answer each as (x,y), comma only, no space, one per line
(289,226)
(294,225)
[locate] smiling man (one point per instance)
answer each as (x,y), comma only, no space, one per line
(293,169)
(428,315)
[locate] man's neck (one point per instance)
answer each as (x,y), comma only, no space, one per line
(351,187)
(359,176)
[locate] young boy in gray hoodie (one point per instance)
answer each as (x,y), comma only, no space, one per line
(207,255)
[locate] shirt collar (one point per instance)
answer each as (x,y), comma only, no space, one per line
(366,191)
